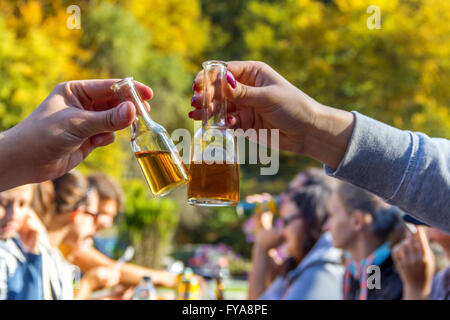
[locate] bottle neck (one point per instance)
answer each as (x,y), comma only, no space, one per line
(214,100)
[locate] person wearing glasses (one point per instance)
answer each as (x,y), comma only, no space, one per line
(314,270)
(366,228)
(109,205)
(68,209)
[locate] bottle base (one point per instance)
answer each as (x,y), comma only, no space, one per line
(211,203)
(169,189)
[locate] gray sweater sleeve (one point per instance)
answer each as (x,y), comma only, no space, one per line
(407,169)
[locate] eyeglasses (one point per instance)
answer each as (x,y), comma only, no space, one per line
(286,221)
(93,214)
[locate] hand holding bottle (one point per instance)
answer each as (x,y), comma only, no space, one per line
(73,120)
(260,98)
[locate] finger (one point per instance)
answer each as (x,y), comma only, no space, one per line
(242,94)
(397,254)
(195,114)
(247,71)
(422,239)
(103,139)
(197,100)
(197,85)
(97,122)
(98,93)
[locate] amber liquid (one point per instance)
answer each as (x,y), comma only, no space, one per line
(161,173)
(213,184)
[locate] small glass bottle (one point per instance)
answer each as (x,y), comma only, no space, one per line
(145,290)
(214,168)
(156,154)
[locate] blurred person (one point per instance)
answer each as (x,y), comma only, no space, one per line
(399,166)
(74,119)
(416,265)
(109,205)
(21,258)
(310,176)
(440,288)
(366,228)
(313,270)
(67,207)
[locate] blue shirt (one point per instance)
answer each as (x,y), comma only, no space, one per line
(26,282)
(319,276)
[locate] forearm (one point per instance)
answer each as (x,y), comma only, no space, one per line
(258,274)
(328,137)
(11,172)
(130,274)
(85,289)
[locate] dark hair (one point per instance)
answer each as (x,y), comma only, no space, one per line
(385,218)
(61,195)
(107,188)
(311,202)
(316,176)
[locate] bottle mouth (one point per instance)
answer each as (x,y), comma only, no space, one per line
(117,85)
(214,63)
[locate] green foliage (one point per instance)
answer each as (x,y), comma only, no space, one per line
(117,41)
(219,225)
(148,222)
(397,74)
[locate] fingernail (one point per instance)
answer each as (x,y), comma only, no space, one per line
(192,101)
(193,85)
(231,80)
(190,114)
(230,120)
(123,111)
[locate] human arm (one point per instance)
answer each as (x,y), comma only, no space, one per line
(415,263)
(399,166)
(95,279)
(130,274)
(262,265)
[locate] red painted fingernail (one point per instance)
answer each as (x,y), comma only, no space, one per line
(192,101)
(230,120)
(231,80)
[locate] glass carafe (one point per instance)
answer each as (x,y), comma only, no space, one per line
(156,153)
(213,167)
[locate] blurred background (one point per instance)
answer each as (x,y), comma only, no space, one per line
(398,74)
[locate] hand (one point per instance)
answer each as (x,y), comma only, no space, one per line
(415,263)
(73,120)
(260,98)
(29,233)
(262,220)
(268,239)
(101,277)
(123,292)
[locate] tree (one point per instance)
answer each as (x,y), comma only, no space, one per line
(149,223)
(397,74)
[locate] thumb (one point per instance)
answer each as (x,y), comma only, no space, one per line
(240,93)
(110,120)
